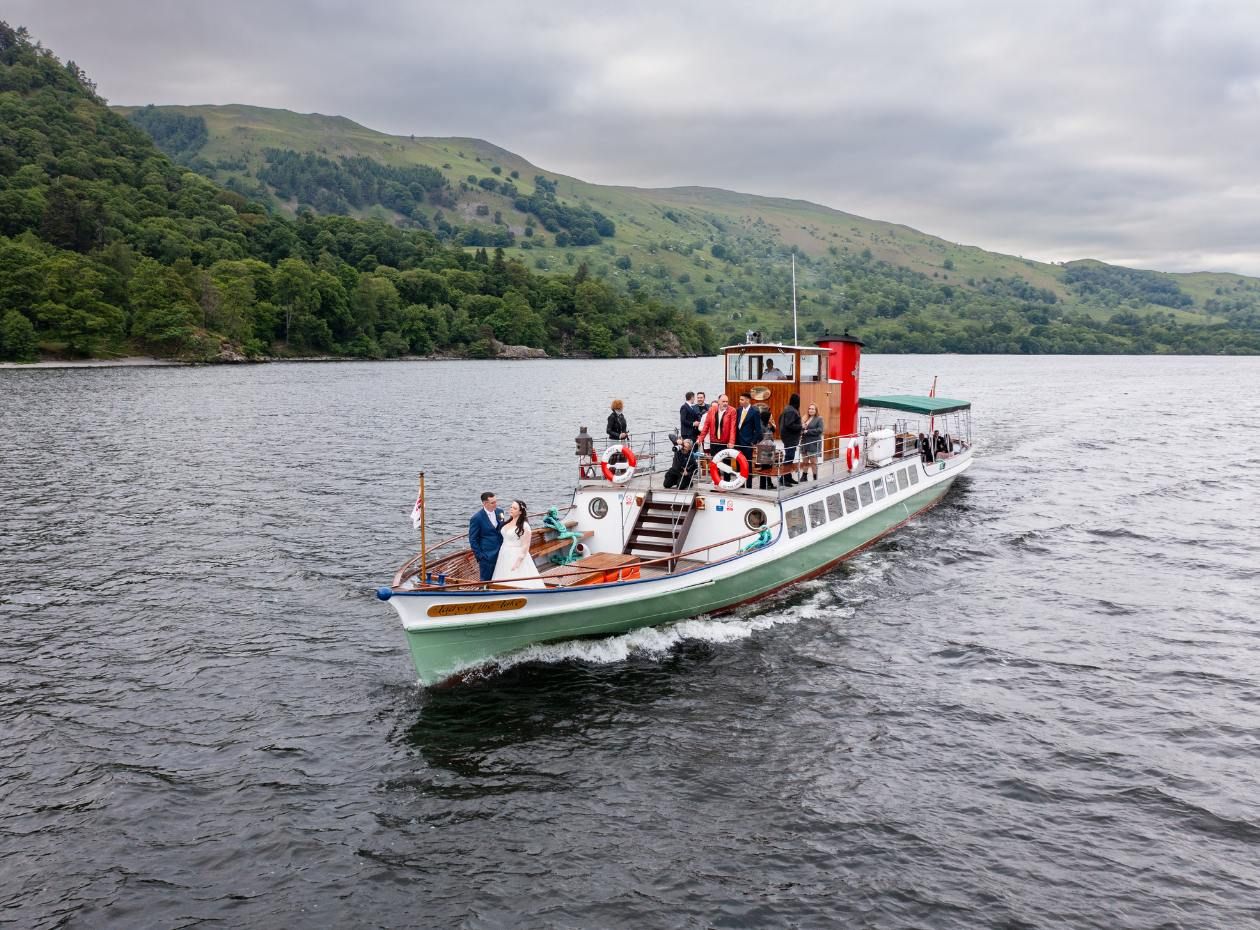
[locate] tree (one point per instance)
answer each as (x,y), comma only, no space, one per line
(295,291)
(162,308)
(17,337)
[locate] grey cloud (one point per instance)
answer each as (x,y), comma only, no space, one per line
(1116,131)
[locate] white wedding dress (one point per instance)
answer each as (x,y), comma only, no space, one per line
(513,548)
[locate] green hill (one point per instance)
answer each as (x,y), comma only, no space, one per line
(107,246)
(723,255)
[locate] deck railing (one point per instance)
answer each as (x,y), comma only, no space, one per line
(654,454)
(555,578)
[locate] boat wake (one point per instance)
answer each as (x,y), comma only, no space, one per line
(660,641)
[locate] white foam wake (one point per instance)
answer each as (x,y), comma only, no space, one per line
(658,641)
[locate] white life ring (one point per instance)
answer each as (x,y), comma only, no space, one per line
(732,464)
(622,470)
(853,453)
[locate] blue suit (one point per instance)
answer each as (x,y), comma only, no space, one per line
(748,432)
(485,539)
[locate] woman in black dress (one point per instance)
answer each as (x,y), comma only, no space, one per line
(617,429)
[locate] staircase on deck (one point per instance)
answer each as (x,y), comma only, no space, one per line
(661,528)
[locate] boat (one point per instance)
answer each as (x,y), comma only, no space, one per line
(627,551)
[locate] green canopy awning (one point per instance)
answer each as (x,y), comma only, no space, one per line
(913,403)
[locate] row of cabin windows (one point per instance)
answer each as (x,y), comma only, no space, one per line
(835,506)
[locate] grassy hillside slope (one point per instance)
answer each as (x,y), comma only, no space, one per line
(725,255)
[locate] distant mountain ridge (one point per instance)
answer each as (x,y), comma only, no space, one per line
(725,254)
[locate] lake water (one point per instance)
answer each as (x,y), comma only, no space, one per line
(1037,705)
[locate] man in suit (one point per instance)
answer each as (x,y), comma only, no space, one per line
(484,536)
(687,426)
(702,408)
(748,431)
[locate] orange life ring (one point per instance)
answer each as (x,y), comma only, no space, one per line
(736,476)
(619,472)
(853,454)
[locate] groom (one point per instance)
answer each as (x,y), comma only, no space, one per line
(484,535)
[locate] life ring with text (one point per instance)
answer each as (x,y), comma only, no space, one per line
(621,470)
(731,464)
(853,454)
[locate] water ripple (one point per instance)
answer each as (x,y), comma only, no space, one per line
(1035,706)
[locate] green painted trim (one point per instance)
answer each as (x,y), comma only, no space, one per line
(913,403)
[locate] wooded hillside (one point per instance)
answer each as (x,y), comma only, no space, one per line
(108,246)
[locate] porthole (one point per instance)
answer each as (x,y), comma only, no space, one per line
(755,519)
(598,508)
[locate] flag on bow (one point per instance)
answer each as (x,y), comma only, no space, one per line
(417,512)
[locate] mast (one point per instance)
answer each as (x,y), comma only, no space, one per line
(420,507)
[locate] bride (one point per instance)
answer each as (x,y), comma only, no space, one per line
(514,561)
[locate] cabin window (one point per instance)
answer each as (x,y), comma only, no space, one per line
(914,474)
(770,366)
(598,508)
(891,481)
(795,522)
(755,519)
(817,513)
(879,488)
(864,490)
(835,509)
(902,480)
(811,369)
(850,499)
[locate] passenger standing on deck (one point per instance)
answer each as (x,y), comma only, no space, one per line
(702,408)
(483,534)
(617,428)
(514,562)
(687,426)
(925,448)
(790,432)
(718,427)
(747,430)
(811,442)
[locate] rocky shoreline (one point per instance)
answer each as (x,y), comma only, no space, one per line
(233,357)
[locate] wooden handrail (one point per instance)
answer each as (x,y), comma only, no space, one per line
(409,566)
(468,583)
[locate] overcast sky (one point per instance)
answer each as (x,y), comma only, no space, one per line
(1124,131)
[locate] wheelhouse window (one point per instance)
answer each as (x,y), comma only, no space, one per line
(760,366)
(811,367)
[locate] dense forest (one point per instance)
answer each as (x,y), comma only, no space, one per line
(108,246)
